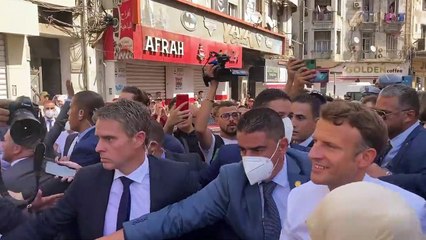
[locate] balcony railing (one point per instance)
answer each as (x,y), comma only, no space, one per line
(368,55)
(321,54)
(393,22)
(322,16)
(369,21)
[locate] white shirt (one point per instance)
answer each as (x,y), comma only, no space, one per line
(281,192)
(303,200)
(139,194)
(208,154)
(306,142)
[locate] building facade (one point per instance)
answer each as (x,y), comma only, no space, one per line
(418,29)
(357,40)
(39,50)
(161,46)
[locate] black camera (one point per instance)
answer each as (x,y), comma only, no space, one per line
(221,73)
(25,121)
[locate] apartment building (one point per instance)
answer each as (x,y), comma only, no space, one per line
(357,40)
(418,39)
(162,46)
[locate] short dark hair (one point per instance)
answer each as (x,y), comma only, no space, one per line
(139,95)
(156,132)
(313,101)
(133,116)
(262,120)
(223,104)
(370,125)
(172,103)
(89,101)
(269,95)
(407,96)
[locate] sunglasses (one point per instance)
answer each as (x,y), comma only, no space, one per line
(228,115)
(384,114)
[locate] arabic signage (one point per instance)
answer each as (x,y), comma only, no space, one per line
(209,26)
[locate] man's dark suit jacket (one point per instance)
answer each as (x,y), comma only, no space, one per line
(193,159)
(86,200)
(10,215)
(230,153)
(21,178)
(84,152)
(410,163)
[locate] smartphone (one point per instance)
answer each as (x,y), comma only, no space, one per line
(59,170)
(181,98)
(311,64)
(321,76)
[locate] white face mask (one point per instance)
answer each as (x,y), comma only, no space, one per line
(258,168)
(288,128)
(49,113)
(67,126)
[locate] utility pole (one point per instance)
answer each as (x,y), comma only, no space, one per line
(85,43)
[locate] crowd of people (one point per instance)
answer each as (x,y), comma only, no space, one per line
(288,164)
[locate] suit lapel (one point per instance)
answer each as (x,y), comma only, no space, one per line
(155,183)
(404,147)
(294,173)
(68,142)
(254,203)
(104,183)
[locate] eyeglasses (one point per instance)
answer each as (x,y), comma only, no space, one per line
(384,114)
(228,115)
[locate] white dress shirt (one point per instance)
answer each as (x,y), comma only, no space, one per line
(303,200)
(17,161)
(307,141)
(139,194)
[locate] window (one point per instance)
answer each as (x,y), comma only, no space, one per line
(338,42)
(391,42)
(424,5)
(322,41)
(232,10)
(367,42)
(305,43)
(423,28)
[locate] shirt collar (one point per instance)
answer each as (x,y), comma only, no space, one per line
(82,134)
(138,175)
(17,161)
(282,177)
(398,140)
(306,142)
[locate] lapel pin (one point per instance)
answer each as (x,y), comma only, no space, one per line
(297,183)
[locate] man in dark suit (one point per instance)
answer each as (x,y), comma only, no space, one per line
(251,195)
(80,148)
(125,185)
(403,161)
(155,148)
(20,176)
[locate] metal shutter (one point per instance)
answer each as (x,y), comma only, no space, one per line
(148,77)
(3,78)
(198,81)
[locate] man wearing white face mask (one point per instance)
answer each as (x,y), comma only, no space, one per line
(49,114)
(251,196)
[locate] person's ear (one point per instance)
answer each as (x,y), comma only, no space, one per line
(366,158)
(80,114)
(140,138)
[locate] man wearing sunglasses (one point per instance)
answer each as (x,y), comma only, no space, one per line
(403,161)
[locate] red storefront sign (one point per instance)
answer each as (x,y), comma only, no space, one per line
(157,45)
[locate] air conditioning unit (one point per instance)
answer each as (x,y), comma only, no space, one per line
(421,44)
(357,5)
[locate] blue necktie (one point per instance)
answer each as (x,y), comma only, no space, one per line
(271,219)
(125,203)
